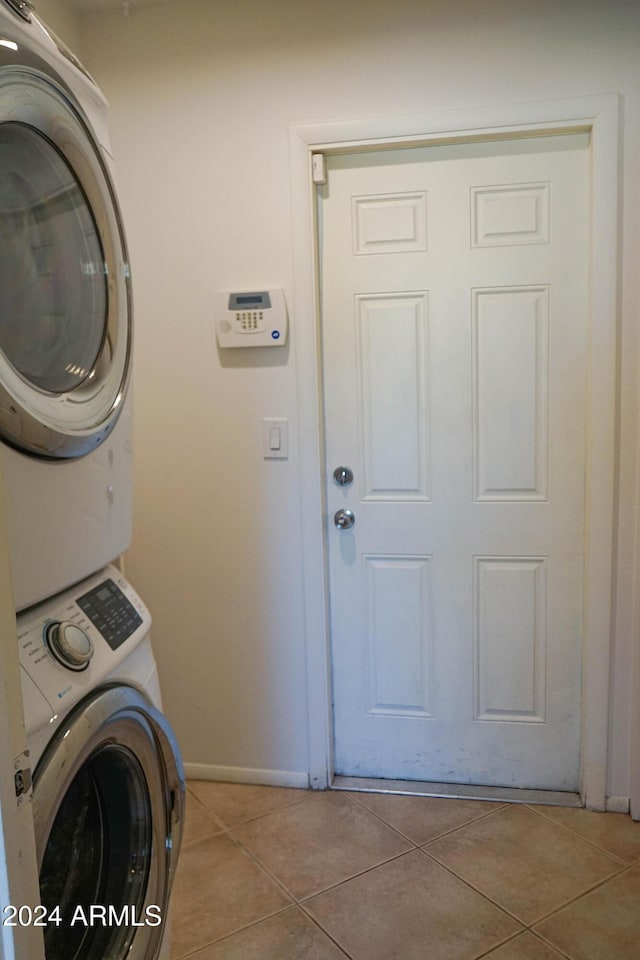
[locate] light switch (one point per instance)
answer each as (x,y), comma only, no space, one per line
(275,439)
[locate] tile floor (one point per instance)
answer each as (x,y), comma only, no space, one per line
(276,874)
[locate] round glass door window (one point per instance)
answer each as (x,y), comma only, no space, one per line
(52,268)
(108,805)
(65,324)
(95,870)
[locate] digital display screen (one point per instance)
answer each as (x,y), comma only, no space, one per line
(249,301)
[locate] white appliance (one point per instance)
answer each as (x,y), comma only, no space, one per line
(65,317)
(108,784)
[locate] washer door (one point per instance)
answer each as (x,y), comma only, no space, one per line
(65,319)
(108,804)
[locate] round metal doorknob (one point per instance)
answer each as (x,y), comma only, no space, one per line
(344,519)
(343,476)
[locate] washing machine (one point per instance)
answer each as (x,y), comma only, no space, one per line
(65,317)
(108,783)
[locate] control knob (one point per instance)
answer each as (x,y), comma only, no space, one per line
(69,644)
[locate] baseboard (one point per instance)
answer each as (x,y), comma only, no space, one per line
(300,781)
(268,778)
(618,804)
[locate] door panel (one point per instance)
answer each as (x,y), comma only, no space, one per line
(392,361)
(510,392)
(454,299)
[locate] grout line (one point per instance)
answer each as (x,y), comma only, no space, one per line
(585,893)
(326,933)
(487,953)
(523,924)
(354,876)
(359,873)
(228,833)
(546,943)
(483,816)
(233,933)
(623,867)
(462,826)
(299,901)
(306,796)
(209,813)
(356,799)
(288,906)
(256,860)
(580,836)
(302,902)
(187,844)
(381,819)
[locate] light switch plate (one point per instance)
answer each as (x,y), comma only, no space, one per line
(275,439)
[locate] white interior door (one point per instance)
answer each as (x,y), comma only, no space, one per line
(454,306)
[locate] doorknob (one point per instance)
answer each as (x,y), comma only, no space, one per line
(344,519)
(343,476)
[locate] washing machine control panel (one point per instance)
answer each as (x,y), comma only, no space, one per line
(110,612)
(70,644)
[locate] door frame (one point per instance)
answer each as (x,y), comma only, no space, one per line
(599,116)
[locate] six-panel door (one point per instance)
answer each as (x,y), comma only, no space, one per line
(454,299)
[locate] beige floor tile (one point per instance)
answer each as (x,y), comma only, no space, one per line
(603,925)
(525,947)
(615,832)
(287,936)
(239,802)
(312,845)
(218,890)
(410,909)
(198,822)
(523,862)
(424,818)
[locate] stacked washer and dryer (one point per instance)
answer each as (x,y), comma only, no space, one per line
(108,785)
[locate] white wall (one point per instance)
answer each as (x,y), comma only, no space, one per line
(201,98)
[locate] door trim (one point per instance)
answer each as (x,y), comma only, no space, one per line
(598,115)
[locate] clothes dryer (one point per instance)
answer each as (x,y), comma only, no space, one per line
(65,317)
(108,783)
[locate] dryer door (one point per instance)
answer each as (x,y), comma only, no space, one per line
(108,803)
(65,320)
